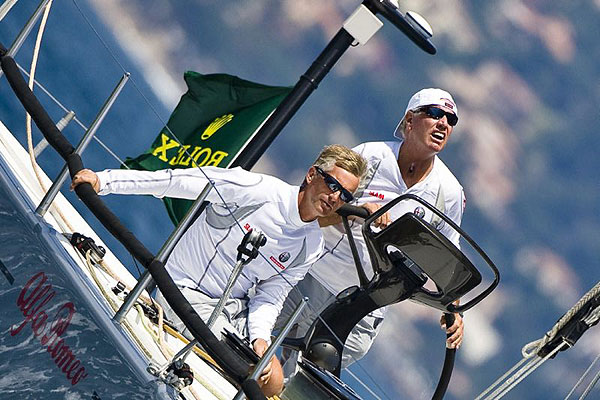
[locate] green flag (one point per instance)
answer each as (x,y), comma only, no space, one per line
(213,121)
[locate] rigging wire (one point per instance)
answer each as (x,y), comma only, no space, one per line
(583,376)
(590,386)
(353,375)
(521,374)
(136,265)
(116,60)
(532,350)
(62,107)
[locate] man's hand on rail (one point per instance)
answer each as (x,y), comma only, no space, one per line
(260,346)
(380,222)
(86,176)
(271,379)
(456,331)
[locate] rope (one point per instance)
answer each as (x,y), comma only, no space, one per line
(534,347)
(65,226)
(157,337)
(167,353)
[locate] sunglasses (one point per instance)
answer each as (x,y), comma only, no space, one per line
(335,186)
(438,113)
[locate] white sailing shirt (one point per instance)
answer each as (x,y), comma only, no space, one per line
(206,254)
(335,270)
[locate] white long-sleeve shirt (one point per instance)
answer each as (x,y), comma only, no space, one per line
(204,257)
(335,270)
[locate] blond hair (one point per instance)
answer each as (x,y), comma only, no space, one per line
(343,157)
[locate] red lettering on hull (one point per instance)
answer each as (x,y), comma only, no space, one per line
(34,296)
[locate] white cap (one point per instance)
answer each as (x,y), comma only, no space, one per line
(428,97)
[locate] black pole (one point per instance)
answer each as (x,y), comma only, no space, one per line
(446,374)
(292,102)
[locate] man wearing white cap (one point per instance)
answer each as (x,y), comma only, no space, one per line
(409,165)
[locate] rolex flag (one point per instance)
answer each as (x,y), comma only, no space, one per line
(214,120)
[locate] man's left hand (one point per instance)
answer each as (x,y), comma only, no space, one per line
(260,346)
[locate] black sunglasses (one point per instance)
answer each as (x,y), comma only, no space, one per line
(335,186)
(438,113)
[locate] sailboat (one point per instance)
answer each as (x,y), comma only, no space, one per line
(78,324)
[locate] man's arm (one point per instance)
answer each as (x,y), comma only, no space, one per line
(264,307)
(156,183)
(178,183)
(380,222)
(455,208)
(332,219)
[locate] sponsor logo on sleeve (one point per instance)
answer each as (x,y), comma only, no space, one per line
(419,212)
(276,262)
(283,257)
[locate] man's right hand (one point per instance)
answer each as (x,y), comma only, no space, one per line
(380,222)
(86,176)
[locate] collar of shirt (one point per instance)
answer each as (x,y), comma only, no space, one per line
(294,212)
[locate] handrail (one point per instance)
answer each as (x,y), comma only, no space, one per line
(225,357)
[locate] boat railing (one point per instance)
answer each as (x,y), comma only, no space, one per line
(85,140)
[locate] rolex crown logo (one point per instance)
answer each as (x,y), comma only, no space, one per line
(216,125)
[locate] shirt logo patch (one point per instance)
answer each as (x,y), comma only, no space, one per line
(274,260)
(283,257)
(419,212)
